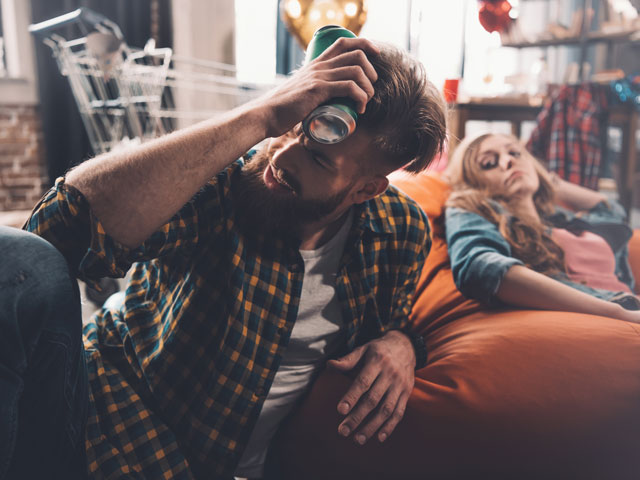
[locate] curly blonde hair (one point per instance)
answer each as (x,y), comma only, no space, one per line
(528,237)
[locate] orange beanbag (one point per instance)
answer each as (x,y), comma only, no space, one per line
(505,394)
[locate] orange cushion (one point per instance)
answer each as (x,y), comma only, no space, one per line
(505,394)
(437,299)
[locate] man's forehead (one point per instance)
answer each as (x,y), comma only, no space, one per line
(361,150)
(361,141)
(357,149)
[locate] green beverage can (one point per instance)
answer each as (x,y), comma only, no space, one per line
(335,120)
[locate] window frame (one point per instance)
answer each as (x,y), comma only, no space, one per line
(19,87)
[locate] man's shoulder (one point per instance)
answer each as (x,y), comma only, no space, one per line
(398,213)
(220,184)
(402,205)
(228,173)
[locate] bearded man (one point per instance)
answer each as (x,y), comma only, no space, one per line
(248,277)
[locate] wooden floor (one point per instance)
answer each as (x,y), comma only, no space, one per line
(14,218)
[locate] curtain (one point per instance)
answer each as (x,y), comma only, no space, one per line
(289,55)
(66,142)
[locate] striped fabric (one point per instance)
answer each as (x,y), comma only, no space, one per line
(179,373)
(570,135)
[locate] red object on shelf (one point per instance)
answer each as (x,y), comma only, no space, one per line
(450,89)
(494,15)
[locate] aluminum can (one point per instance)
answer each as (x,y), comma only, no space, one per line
(335,120)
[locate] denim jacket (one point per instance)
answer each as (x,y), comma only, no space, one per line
(480,256)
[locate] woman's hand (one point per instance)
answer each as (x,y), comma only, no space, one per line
(573,196)
(630,315)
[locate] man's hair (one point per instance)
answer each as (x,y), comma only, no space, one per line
(407,115)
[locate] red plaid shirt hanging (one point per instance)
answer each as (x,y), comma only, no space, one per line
(570,136)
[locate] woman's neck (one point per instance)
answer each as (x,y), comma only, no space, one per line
(525,207)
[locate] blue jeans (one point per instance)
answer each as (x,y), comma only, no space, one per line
(43,377)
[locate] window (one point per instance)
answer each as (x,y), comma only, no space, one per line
(256,24)
(17,69)
(256,40)
(442,38)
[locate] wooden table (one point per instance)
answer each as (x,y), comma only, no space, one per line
(624,117)
(461,113)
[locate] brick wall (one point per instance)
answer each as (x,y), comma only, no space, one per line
(23,175)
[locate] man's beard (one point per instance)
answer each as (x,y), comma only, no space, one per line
(262,211)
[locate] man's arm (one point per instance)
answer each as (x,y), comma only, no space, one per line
(134,192)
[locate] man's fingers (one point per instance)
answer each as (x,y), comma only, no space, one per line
(384,411)
(344,88)
(348,362)
(361,384)
(362,398)
(393,420)
(345,44)
(349,75)
(352,90)
(380,392)
(354,58)
(354,73)
(343,70)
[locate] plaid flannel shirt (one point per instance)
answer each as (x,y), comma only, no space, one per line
(571,133)
(178,375)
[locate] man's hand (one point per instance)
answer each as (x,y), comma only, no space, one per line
(342,70)
(381,388)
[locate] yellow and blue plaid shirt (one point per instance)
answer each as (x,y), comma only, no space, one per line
(179,373)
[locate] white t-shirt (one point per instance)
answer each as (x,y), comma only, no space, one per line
(316,334)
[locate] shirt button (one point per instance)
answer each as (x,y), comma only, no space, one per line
(260,391)
(295,268)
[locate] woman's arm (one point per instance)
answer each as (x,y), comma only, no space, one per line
(574,196)
(524,287)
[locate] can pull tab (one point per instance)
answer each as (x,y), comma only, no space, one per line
(335,120)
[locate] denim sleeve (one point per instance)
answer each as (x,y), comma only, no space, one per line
(480,256)
(607,211)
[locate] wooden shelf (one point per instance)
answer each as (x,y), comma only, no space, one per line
(592,37)
(624,117)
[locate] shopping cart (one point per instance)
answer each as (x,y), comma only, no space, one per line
(127,95)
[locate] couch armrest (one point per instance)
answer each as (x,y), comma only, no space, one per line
(634,257)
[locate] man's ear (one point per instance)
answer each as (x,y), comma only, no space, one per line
(373,187)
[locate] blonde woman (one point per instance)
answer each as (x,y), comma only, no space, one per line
(510,243)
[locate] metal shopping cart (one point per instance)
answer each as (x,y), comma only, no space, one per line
(127,95)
